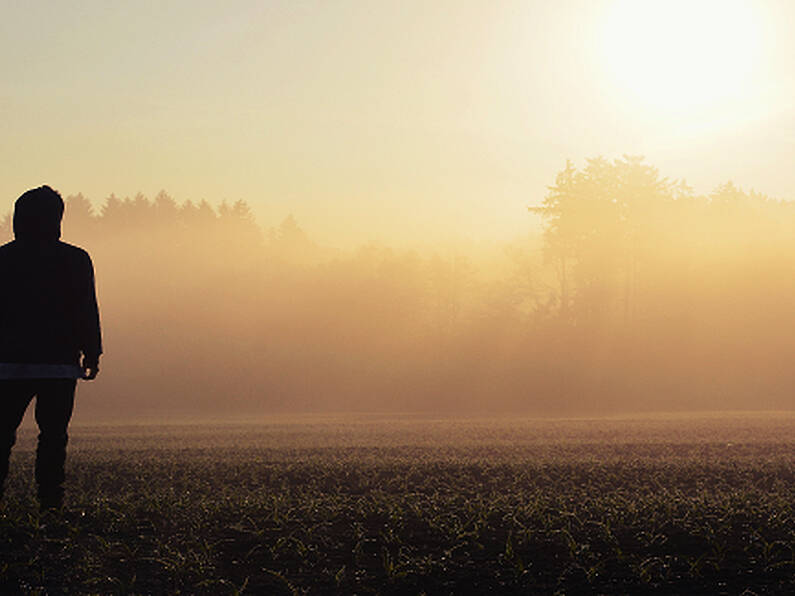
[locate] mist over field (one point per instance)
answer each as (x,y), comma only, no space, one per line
(638,296)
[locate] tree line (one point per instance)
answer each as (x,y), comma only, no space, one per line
(640,295)
(166,221)
(612,228)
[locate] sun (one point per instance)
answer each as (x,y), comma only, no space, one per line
(682,56)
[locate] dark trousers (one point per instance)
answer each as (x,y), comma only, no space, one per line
(54,403)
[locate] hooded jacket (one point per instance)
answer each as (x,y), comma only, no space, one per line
(48,304)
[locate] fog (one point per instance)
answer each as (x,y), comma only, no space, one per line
(639,296)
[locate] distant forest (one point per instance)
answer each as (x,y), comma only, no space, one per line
(641,295)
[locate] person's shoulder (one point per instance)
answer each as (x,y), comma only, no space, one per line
(71,248)
(74,252)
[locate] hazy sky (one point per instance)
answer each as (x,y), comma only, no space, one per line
(392,120)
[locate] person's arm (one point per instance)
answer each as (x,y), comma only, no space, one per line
(91,344)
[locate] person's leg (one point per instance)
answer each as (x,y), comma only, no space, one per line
(15,395)
(54,403)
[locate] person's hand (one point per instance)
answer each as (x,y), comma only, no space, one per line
(90,368)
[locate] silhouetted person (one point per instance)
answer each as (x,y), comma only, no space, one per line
(49,334)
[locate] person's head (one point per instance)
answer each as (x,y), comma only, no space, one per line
(37,214)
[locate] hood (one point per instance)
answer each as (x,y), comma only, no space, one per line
(37,215)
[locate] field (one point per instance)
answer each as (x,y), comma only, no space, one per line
(409,505)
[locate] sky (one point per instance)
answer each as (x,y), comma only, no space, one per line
(395,121)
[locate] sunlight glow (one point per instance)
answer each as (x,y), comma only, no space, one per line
(682,57)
